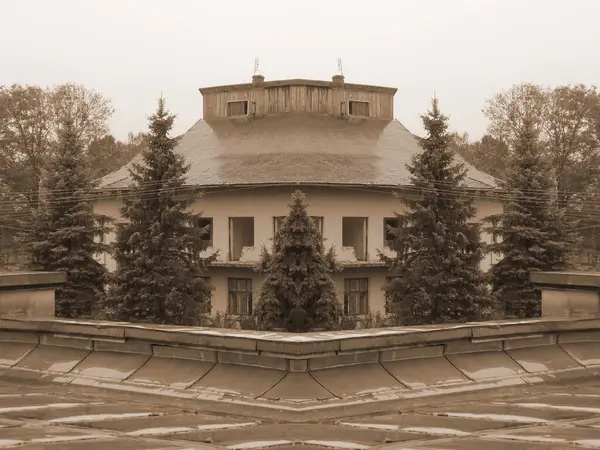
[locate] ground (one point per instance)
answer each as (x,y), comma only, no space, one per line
(40,416)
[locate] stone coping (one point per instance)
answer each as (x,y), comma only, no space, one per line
(566,280)
(298,346)
(26,280)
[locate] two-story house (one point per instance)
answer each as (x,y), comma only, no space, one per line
(337,142)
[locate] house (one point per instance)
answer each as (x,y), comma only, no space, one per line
(337,142)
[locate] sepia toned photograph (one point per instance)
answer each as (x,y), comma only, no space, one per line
(310,226)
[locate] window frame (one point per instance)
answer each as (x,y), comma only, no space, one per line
(204,309)
(239,294)
(361,102)
(245,109)
(210,230)
(386,242)
(363,297)
(388,280)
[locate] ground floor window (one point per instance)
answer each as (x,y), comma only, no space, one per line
(240,296)
(390,301)
(356,296)
(206,307)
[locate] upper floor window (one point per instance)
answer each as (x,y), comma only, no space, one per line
(237,108)
(241,235)
(496,231)
(354,234)
(357,108)
(388,235)
(205,223)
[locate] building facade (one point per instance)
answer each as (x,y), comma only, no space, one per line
(335,141)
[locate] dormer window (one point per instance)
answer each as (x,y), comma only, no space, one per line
(237,109)
(356,108)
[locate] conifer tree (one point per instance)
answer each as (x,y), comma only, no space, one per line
(438,251)
(64,231)
(298,292)
(159,267)
(533,229)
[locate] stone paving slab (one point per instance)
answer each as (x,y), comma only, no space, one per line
(421,373)
(480,444)
(555,434)
(586,353)
(549,358)
(84,409)
(201,421)
(39,435)
(112,444)
(507,409)
(245,380)
(53,359)
(110,365)
(472,424)
(172,372)
(363,378)
(298,386)
(13,352)
(486,365)
(297,433)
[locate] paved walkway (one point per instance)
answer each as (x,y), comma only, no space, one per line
(50,417)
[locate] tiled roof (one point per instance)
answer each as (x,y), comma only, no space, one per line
(298,149)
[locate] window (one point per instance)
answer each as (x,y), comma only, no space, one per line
(390,302)
(388,235)
(240,296)
(354,234)
(206,222)
(356,296)
(496,232)
(278,220)
(356,108)
(206,307)
(241,235)
(318,221)
(239,108)
(474,228)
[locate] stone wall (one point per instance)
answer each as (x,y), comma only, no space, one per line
(568,294)
(29,294)
(299,371)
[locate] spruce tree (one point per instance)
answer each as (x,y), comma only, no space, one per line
(298,292)
(64,231)
(157,251)
(533,229)
(436,269)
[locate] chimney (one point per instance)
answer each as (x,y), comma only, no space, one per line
(257,79)
(338,79)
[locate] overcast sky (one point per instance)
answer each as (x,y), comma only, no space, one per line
(464,50)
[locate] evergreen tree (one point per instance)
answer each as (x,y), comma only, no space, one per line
(436,273)
(532,228)
(298,292)
(64,232)
(159,267)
